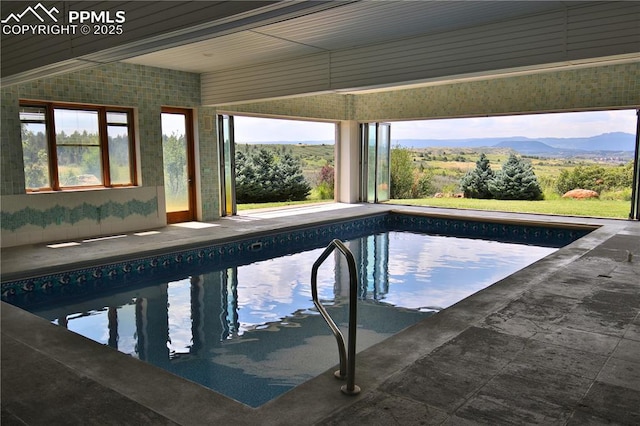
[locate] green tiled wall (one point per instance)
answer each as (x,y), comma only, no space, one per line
(611,86)
(119,84)
(146,89)
(323,107)
(207,152)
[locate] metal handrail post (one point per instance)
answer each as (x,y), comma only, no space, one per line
(342,373)
(347,363)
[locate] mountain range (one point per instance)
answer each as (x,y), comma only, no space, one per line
(615,141)
(612,142)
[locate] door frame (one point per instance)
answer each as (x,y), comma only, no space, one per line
(190,214)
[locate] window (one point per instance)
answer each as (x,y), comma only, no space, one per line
(66,146)
(35,149)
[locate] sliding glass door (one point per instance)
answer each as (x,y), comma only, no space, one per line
(227,163)
(376,151)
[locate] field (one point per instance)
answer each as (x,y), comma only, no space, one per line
(455,162)
(448,165)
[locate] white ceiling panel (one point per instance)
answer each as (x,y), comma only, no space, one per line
(229,51)
(353,24)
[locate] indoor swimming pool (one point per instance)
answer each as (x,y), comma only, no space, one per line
(239,318)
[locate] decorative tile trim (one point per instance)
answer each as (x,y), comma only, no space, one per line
(148,270)
(504,232)
(58,215)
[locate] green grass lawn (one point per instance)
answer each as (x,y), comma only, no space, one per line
(561,206)
(564,207)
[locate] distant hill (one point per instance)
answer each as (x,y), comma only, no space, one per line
(615,141)
(528,147)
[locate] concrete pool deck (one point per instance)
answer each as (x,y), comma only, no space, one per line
(556,343)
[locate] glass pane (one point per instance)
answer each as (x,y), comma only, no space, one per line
(33,114)
(371,163)
(229,177)
(382,178)
(119,155)
(35,155)
(76,127)
(79,165)
(117,117)
(174,151)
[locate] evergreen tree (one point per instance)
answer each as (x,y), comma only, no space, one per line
(293,183)
(261,177)
(475,184)
(247,185)
(516,181)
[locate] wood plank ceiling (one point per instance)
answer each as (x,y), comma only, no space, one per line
(350,25)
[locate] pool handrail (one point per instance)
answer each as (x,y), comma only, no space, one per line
(347,363)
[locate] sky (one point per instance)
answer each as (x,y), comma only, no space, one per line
(257,129)
(561,125)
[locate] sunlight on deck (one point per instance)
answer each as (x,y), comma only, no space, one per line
(293,211)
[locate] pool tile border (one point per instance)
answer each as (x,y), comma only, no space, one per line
(143,271)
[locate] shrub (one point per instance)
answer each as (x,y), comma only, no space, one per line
(620,177)
(408,181)
(325,182)
(596,178)
(422,185)
(401,173)
(583,177)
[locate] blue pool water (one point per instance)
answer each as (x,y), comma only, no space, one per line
(250,331)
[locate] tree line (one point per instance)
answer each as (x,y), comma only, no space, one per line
(77,154)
